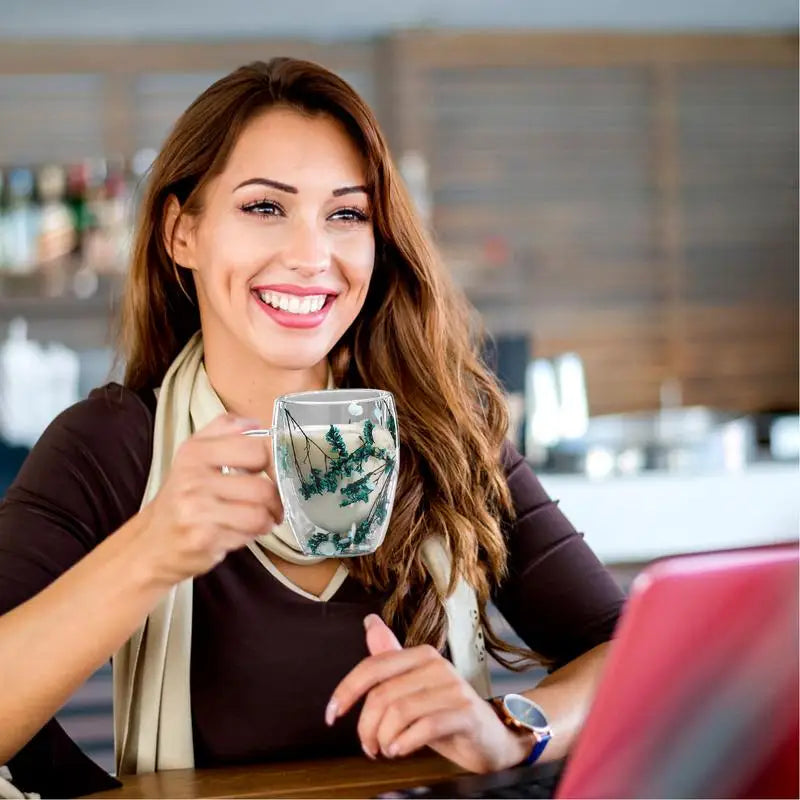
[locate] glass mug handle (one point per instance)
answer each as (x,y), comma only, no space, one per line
(225,470)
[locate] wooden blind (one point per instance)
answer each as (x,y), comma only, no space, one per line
(643,214)
(630,197)
(160,98)
(50,118)
(738,177)
(543,195)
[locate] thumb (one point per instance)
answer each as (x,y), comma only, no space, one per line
(380,638)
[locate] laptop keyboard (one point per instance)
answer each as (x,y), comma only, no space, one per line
(535,782)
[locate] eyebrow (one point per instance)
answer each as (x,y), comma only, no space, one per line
(285,187)
(349,190)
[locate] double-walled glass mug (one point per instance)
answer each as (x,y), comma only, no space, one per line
(336,456)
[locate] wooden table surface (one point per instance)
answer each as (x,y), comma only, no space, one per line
(333,777)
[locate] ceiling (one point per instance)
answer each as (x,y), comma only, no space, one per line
(333,19)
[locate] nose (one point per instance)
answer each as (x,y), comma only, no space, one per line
(307,251)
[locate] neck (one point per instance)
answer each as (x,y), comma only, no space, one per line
(248,387)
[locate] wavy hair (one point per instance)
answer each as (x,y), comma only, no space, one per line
(414,337)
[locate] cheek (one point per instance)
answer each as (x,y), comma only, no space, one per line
(229,247)
(358,260)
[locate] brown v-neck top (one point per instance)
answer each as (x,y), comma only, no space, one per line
(264,658)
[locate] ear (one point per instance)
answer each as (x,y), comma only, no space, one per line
(179,234)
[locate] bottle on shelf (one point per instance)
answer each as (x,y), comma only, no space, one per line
(59,219)
(57,236)
(21,222)
(77,179)
(2,222)
(95,244)
(115,216)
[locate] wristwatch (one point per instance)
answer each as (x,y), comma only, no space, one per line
(522,715)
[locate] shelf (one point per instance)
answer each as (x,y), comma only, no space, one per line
(47,293)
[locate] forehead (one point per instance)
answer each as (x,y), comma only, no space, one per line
(297,149)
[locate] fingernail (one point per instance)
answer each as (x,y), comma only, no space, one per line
(370,620)
(246,422)
(392,750)
(367,752)
(331,711)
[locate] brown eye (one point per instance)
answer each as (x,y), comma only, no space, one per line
(263,208)
(350,215)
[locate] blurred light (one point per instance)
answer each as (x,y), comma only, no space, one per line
(599,463)
(784,438)
(630,461)
(85,283)
(143,160)
(414,169)
(574,406)
(541,395)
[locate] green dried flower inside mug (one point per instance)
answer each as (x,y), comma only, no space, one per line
(337,462)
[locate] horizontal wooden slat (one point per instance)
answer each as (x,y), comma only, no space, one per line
(133,57)
(768,393)
(456,50)
(709,322)
(49,118)
(741,357)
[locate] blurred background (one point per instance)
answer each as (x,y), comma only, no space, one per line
(614,184)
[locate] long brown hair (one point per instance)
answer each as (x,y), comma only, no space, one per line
(414,337)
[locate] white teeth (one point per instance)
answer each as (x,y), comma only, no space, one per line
(294,304)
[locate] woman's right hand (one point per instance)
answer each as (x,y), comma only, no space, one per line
(200,515)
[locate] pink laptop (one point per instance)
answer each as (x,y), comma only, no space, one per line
(700,694)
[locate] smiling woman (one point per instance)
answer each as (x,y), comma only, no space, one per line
(262,245)
(277,251)
(270,257)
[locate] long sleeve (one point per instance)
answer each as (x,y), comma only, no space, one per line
(83,479)
(558,597)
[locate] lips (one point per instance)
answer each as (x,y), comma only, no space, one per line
(293,303)
(302,307)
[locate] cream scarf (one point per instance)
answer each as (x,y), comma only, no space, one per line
(152,704)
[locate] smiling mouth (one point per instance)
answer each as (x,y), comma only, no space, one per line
(294,304)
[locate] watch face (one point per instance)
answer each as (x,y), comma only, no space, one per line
(525,711)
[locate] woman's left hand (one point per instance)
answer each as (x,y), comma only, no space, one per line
(415,698)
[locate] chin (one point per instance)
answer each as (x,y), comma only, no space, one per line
(293,356)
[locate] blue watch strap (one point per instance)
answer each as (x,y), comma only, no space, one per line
(539,727)
(536,751)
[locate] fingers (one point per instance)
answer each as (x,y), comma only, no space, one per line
(250,519)
(413,708)
(380,637)
(199,514)
(429,729)
(225,540)
(372,671)
(210,453)
(247,488)
(387,707)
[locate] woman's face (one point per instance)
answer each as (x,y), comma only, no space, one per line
(283,249)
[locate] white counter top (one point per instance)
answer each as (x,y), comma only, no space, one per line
(628,519)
